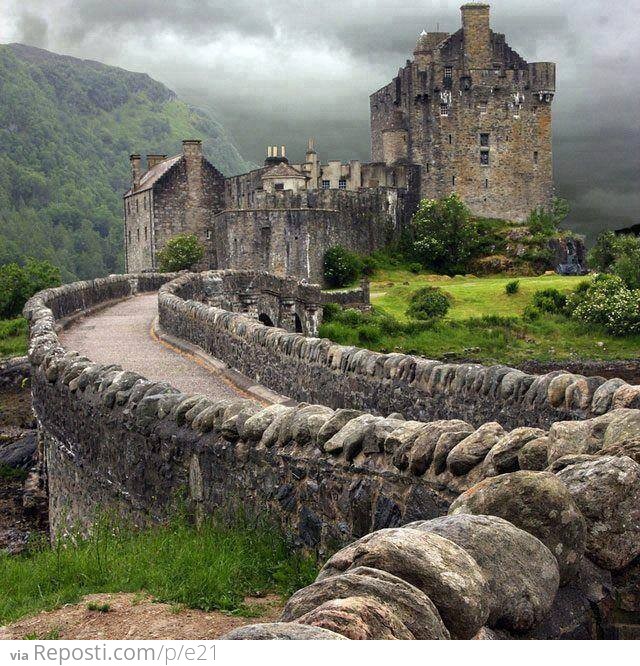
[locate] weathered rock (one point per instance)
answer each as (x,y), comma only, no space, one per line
(597,587)
(339,419)
(537,502)
(575,437)
(474,448)
(409,604)
(19,454)
(627,587)
(446,573)
(521,572)
(358,618)
(625,447)
(281,631)
(603,396)
(565,461)
(504,455)
(419,455)
(272,432)
(446,443)
(254,427)
(570,618)
(533,455)
(308,422)
(348,440)
(607,491)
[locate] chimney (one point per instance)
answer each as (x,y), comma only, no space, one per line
(135,170)
(192,148)
(478,51)
(154,159)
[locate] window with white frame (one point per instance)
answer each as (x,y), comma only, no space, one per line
(444,110)
(342,184)
(326,184)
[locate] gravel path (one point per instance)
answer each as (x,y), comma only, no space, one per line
(121,334)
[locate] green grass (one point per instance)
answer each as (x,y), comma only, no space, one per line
(13,337)
(484,323)
(212,568)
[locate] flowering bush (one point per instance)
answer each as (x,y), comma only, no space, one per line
(341,267)
(610,303)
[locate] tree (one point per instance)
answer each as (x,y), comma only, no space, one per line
(545,221)
(18,284)
(340,267)
(180,253)
(619,255)
(444,236)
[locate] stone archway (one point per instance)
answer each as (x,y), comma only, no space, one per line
(297,323)
(265,319)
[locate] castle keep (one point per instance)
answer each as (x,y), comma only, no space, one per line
(466,115)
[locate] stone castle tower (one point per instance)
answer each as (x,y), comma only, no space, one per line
(474,115)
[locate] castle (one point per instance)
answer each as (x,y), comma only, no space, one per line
(466,115)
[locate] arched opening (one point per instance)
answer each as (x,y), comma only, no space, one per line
(298,323)
(265,319)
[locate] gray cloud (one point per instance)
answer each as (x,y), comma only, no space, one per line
(281,70)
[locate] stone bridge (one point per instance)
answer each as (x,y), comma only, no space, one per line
(539,474)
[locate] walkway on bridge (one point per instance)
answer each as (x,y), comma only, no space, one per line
(122,334)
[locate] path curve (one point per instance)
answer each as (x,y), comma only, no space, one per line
(122,334)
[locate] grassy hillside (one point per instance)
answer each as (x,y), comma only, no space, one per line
(67,127)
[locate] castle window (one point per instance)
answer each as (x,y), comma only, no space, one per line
(326,184)
(144,203)
(342,184)
(138,235)
(448,72)
(444,109)
(279,186)
(484,158)
(450,138)
(137,206)
(129,236)
(145,233)
(535,156)
(453,180)
(208,234)
(486,183)
(484,139)
(482,107)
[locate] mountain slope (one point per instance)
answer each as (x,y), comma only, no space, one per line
(67,127)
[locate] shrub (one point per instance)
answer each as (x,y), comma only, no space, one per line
(608,302)
(428,303)
(369,265)
(512,287)
(549,300)
(415,267)
(330,311)
(19,283)
(369,334)
(544,221)
(444,236)
(341,267)
(180,253)
(618,255)
(531,313)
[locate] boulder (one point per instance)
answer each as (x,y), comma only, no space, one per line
(419,455)
(339,419)
(409,604)
(473,449)
(358,618)
(445,444)
(281,631)
(627,587)
(536,502)
(607,491)
(533,455)
(626,447)
(570,618)
(253,428)
(444,571)
(348,440)
(19,454)
(521,572)
(504,455)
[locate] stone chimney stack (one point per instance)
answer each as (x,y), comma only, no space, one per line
(154,159)
(478,52)
(136,172)
(192,148)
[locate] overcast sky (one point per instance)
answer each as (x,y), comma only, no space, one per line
(278,71)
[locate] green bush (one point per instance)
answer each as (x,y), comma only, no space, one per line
(544,221)
(428,303)
(330,311)
(444,235)
(341,267)
(180,253)
(369,334)
(608,302)
(415,267)
(369,265)
(551,301)
(19,283)
(512,287)
(618,255)
(531,313)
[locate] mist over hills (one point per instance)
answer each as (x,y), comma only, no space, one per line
(67,127)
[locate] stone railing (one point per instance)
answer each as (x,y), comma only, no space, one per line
(318,370)
(114,441)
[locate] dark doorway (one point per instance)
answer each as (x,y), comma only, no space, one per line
(298,323)
(265,319)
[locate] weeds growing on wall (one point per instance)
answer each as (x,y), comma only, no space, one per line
(211,567)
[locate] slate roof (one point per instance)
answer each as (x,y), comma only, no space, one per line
(151,177)
(282,170)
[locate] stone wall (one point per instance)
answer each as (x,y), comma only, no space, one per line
(317,370)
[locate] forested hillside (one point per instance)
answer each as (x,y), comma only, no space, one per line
(67,127)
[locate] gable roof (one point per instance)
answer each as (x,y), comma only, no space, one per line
(151,177)
(283,170)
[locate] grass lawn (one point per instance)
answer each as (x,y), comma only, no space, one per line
(13,337)
(211,568)
(484,323)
